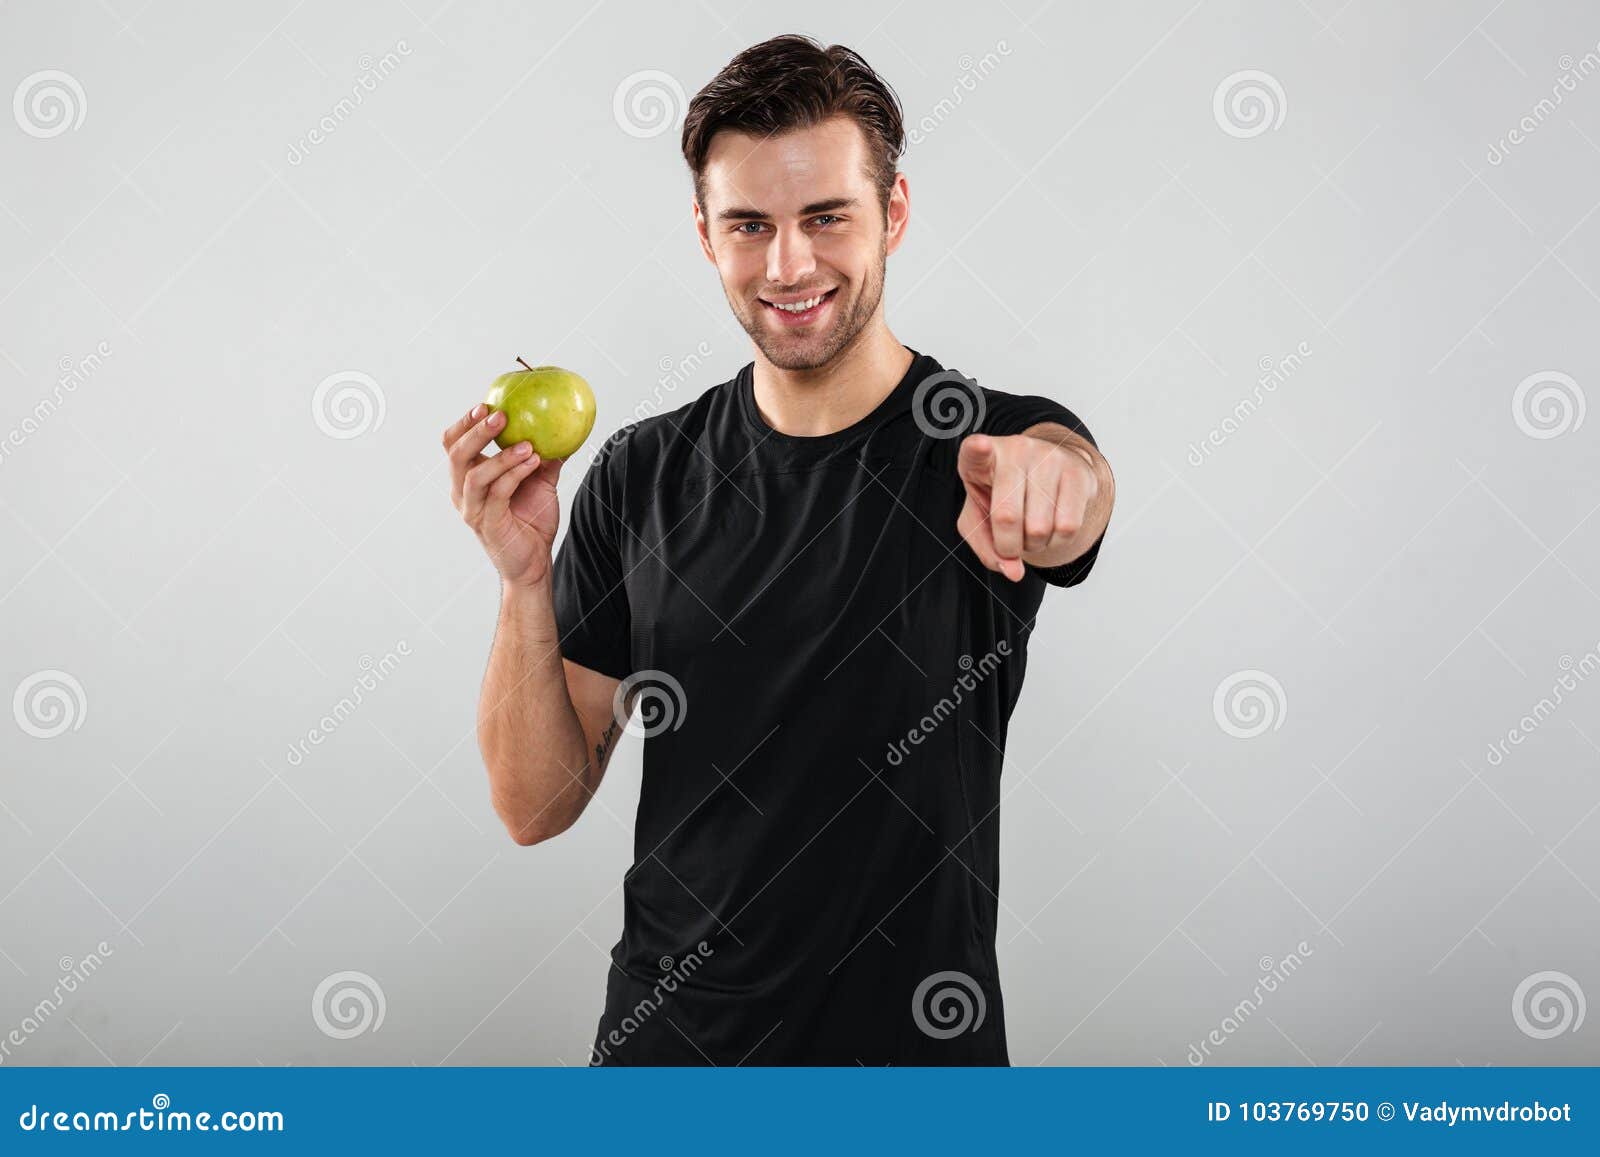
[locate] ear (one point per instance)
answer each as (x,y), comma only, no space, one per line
(898,214)
(701,230)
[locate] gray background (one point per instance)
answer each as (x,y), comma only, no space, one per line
(1383,536)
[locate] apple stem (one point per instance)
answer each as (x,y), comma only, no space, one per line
(524,364)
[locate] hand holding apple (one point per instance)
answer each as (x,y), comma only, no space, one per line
(508,499)
(537,416)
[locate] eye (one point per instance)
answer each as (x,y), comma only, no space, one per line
(827,217)
(741,230)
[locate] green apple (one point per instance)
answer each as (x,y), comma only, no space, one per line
(548,406)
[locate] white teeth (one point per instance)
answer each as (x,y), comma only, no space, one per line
(800,306)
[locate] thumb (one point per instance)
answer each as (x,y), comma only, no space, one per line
(976,460)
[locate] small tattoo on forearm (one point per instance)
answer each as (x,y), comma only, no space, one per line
(603,748)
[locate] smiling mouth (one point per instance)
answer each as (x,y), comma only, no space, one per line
(801,312)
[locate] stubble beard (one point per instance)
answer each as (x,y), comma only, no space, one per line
(807,351)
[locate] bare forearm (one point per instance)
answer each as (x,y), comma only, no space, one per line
(540,773)
(1103,493)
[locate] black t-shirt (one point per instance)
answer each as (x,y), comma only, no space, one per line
(825,673)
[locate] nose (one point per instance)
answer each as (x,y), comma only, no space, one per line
(789,256)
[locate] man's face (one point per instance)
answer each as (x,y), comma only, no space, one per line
(793,217)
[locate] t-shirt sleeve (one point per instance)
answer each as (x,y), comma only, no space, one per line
(591,599)
(1005,414)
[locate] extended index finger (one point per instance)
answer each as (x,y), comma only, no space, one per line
(1007,503)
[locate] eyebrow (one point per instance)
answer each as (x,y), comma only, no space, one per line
(742,213)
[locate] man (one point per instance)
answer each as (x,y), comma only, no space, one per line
(819,579)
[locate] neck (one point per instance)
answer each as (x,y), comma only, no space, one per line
(808,403)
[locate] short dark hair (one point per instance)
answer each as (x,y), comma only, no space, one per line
(792,82)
